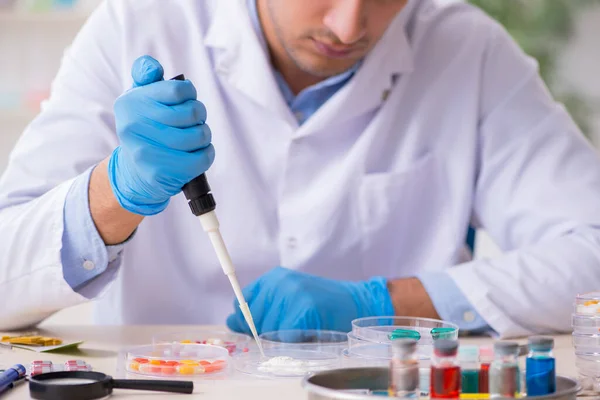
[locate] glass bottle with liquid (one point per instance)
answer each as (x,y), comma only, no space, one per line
(404,369)
(468,357)
(540,371)
(486,356)
(504,371)
(445,370)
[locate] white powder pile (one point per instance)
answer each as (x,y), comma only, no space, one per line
(283,365)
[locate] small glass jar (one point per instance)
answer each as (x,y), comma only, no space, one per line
(404,369)
(504,371)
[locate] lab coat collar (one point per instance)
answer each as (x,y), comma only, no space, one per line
(242,60)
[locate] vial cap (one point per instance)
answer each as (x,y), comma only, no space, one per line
(486,353)
(541,343)
(468,353)
(445,347)
(506,348)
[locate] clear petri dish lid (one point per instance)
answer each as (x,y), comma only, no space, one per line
(385,329)
(177,360)
(588,365)
(284,363)
(586,343)
(311,339)
(233,342)
(361,348)
(587,303)
(587,324)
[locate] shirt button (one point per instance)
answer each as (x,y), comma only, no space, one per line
(469,316)
(292,242)
(89,265)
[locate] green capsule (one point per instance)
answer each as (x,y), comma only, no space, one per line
(404,334)
(442,333)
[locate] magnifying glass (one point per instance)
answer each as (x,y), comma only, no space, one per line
(88,385)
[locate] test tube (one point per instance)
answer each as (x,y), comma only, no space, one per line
(504,371)
(468,357)
(404,369)
(445,370)
(540,371)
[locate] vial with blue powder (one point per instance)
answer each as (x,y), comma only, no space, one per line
(540,371)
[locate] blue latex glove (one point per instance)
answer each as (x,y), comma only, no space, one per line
(283,299)
(164,141)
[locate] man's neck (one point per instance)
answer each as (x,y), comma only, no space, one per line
(296,78)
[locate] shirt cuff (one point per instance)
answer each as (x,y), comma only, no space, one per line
(450,302)
(84,255)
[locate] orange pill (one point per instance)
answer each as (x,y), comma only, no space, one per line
(168,369)
(202,362)
(157,362)
(171,363)
(141,360)
(134,366)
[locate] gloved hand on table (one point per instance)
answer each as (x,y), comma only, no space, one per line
(283,299)
(164,141)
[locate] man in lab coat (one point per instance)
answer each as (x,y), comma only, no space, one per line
(355,142)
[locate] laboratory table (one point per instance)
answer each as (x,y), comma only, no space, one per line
(104,343)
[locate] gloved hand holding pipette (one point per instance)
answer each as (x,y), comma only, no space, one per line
(164,141)
(283,299)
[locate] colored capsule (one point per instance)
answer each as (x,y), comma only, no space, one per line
(134,366)
(404,334)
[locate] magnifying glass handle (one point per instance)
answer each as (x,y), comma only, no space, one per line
(154,385)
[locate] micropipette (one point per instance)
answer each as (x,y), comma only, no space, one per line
(202,204)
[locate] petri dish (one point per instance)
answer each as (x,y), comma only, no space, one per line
(309,339)
(587,324)
(233,342)
(588,343)
(375,354)
(382,329)
(177,360)
(587,303)
(298,363)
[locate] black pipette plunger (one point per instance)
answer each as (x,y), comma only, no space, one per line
(197,191)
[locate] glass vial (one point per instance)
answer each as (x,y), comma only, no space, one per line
(445,370)
(540,371)
(468,358)
(504,371)
(404,369)
(486,356)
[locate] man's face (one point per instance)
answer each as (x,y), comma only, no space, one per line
(326,37)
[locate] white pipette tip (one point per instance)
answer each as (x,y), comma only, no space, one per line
(210,224)
(248,316)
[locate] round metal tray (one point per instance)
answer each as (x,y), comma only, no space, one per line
(356,383)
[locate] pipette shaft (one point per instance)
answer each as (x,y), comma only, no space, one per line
(210,224)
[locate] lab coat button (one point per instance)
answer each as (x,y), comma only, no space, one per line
(292,242)
(89,265)
(469,316)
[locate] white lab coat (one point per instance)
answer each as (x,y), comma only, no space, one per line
(383,180)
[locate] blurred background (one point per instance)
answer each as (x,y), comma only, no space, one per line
(561,34)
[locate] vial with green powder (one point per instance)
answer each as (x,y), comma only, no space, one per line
(468,357)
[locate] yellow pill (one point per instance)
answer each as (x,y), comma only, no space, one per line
(185,342)
(188,362)
(190,369)
(134,366)
(156,362)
